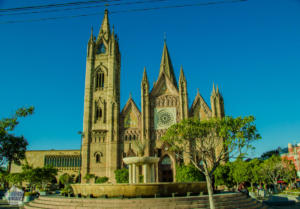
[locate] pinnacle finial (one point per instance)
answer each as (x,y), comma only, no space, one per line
(198,93)
(214,91)
(130,97)
(165,37)
(104,30)
(217,89)
(181,76)
(145,78)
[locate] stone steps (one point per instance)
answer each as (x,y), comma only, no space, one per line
(224,201)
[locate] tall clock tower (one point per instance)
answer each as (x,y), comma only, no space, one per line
(100,140)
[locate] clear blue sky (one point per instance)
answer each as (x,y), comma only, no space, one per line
(250,49)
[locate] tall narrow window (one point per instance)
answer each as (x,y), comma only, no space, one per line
(99,81)
(97,158)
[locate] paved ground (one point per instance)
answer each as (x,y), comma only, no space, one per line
(287,206)
(5,205)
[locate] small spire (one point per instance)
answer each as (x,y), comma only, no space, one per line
(198,93)
(181,76)
(217,89)
(165,37)
(92,35)
(214,91)
(166,65)
(104,30)
(130,97)
(145,77)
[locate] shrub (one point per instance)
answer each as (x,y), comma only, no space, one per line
(89,176)
(188,173)
(122,175)
(101,180)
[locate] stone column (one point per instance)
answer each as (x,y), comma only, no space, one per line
(145,173)
(156,172)
(133,173)
(130,173)
(152,179)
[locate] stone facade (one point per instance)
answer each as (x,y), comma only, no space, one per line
(66,161)
(110,133)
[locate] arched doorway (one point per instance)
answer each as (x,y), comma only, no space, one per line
(165,169)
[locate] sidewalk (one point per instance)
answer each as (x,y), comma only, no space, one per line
(5,205)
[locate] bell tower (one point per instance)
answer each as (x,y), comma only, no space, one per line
(100,140)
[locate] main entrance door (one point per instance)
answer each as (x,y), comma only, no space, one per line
(165,170)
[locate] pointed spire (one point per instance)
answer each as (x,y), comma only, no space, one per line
(217,89)
(198,93)
(166,65)
(145,77)
(104,30)
(213,91)
(182,76)
(130,97)
(92,36)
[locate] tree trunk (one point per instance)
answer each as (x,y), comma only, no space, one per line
(9,167)
(210,192)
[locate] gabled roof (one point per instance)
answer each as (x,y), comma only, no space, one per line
(158,86)
(199,101)
(130,103)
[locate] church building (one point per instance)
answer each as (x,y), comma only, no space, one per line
(109,133)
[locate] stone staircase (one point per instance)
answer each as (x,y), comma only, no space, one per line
(223,201)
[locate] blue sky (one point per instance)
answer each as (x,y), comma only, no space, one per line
(250,49)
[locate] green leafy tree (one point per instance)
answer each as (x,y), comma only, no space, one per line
(255,172)
(12,148)
(239,171)
(214,140)
(15,179)
(122,175)
(3,174)
(275,168)
(66,179)
(44,175)
(188,173)
(268,154)
(223,175)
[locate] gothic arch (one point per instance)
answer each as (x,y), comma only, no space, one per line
(98,155)
(166,168)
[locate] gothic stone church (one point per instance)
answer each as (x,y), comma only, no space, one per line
(108,133)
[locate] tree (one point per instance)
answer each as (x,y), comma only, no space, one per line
(188,173)
(213,141)
(268,154)
(12,148)
(239,171)
(255,172)
(45,175)
(275,168)
(223,175)
(66,180)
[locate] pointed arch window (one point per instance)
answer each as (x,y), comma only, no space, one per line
(98,113)
(99,82)
(98,156)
